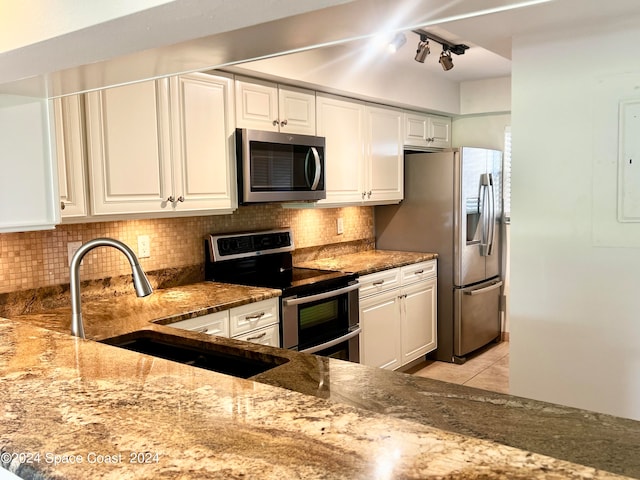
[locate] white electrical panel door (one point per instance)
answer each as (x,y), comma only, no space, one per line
(629,162)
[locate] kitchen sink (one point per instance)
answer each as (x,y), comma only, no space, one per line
(208,355)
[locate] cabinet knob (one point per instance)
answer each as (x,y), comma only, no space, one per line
(430,139)
(62,206)
(181,198)
(171,199)
(275,123)
(364,194)
(283,123)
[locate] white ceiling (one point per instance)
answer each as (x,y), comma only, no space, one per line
(489,36)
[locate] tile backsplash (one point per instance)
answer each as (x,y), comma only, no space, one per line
(39,259)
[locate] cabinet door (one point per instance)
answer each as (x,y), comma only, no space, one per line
(416,129)
(203,157)
(380,341)
(28,187)
(418,320)
(439,132)
(257,104)
(129,148)
(384,156)
(341,122)
(70,152)
(297,110)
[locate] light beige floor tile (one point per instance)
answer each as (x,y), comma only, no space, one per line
(488,369)
(494,378)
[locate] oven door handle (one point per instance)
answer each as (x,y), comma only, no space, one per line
(333,342)
(289,302)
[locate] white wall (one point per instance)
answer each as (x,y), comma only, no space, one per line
(575,301)
(486,95)
(485,131)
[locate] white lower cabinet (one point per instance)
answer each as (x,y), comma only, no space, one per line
(398,315)
(254,322)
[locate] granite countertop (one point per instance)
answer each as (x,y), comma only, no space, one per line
(369,261)
(76,408)
(111,316)
(311,417)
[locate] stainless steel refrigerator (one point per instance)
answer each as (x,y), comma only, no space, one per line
(453,207)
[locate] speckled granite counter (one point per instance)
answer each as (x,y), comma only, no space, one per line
(78,409)
(311,417)
(369,261)
(110,316)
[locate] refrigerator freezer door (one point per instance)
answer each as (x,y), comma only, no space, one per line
(472,213)
(494,168)
(476,316)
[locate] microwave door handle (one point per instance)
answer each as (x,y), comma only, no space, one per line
(316,179)
(333,342)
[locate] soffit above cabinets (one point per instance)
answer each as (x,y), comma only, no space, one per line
(194,35)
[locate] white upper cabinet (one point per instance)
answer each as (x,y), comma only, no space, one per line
(161,146)
(384,157)
(427,131)
(70,150)
(28,184)
(341,122)
(262,105)
(203,148)
(364,154)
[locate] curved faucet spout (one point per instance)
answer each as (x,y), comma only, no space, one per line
(140,281)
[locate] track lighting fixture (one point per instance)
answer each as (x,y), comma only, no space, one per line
(445,60)
(423,49)
(398,40)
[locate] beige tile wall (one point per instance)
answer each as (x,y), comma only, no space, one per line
(39,259)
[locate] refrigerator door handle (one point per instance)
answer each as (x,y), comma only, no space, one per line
(480,291)
(486,215)
(492,216)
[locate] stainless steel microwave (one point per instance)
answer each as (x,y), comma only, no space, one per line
(279,167)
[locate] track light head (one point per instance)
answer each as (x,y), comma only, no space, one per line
(445,60)
(423,50)
(398,40)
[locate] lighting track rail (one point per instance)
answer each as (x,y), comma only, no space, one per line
(458,49)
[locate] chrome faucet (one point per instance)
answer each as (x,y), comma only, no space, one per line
(140,281)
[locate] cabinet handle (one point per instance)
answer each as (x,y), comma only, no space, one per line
(257,336)
(275,123)
(369,194)
(257,316)
(430,139)
(181,198)
(378,283)
(207,331)
(62,206)
(171,199)
(283,123)
(418,272)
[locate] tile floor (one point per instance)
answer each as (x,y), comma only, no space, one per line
(487,369)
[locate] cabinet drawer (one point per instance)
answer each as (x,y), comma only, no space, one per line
(213,324)
(418,271)
(379,282)
(254,315)
(264,336)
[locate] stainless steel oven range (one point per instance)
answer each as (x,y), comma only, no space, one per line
(319,308)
